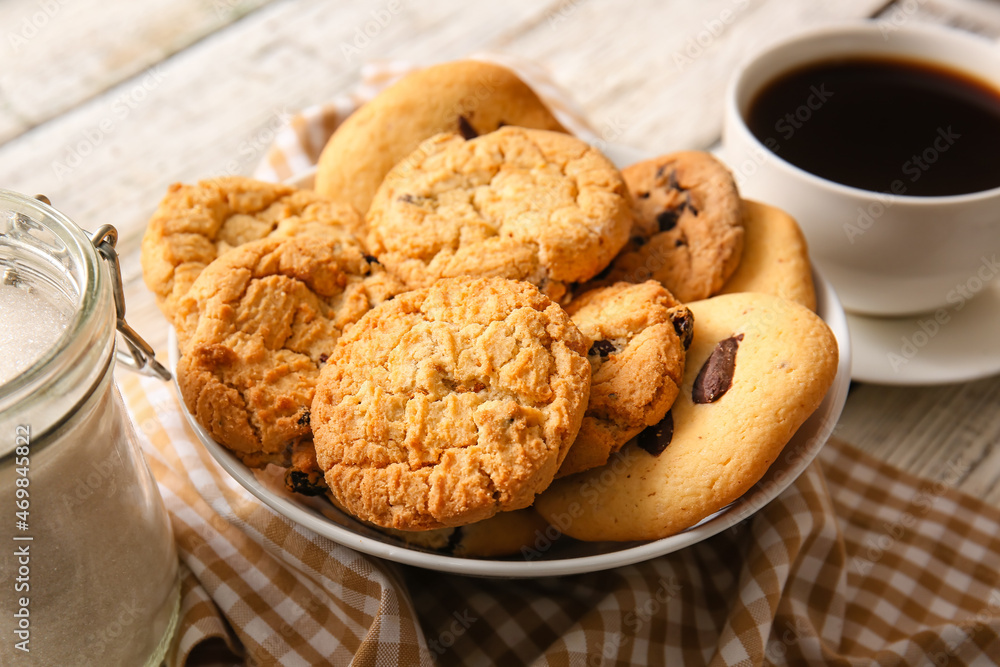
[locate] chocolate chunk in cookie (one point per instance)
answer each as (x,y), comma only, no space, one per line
(465,128)
(654,439)
(683,325)
(689,220)
(602,348)
(304,475)
(716,375)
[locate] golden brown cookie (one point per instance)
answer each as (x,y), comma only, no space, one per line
(775,257)
(194,224)
(688,231)
(260,321)
(449,404)
(757,368)
(503,534)
(465,97)
(639,335)
(524,204)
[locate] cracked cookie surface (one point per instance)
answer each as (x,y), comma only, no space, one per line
(450,403)
(688,231)
(639,336)
(260,321)
(468,97)
(194,224)
(530,205)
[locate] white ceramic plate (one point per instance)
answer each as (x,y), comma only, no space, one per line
(962,345)
(565,556)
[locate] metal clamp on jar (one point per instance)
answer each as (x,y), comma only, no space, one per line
(89,571)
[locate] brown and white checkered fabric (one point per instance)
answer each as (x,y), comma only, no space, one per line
(856,563)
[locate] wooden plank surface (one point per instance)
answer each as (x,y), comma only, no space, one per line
(654,74)
(60,53)
(980,16)
(107,104)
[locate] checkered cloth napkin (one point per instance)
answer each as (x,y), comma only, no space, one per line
(856,563)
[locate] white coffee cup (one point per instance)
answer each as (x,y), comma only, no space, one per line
(886,254)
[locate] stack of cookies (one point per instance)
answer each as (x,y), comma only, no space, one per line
(477,326)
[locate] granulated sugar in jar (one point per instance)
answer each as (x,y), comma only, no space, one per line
(88,573)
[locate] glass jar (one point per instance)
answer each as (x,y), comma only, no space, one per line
(88,570)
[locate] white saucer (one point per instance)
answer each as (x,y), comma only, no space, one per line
(921,351)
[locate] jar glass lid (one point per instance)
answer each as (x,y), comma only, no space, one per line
(49,283)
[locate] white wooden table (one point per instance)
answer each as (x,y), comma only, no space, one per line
(104,104)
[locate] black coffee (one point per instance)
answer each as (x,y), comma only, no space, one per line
(898,126)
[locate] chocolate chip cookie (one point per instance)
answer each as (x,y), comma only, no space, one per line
(530,205)
(758,366)
(451,403)
(639,335)
(465,97)
(258,324)
(194,224)
(688,231)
